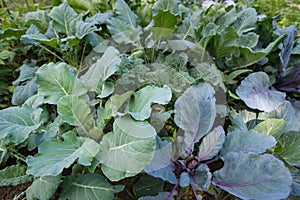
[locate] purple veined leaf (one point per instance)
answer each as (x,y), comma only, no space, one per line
(255,91)
(288,44)
(161,165)
(200,179)
(289,83)
(247,142)
(195,112)
(184,144)
(165,173)
(211,144)
(249,176)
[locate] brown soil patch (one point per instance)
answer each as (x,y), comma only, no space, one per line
(9,192)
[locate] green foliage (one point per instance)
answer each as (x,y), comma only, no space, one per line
(14,175)
(43,187)
(145,87)
(288,12)
(61,154)
(12,51)
(91,186)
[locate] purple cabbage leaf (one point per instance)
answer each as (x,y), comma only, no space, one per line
(249,176)
(290,82)
(255,91)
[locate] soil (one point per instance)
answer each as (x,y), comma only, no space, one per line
(9,192)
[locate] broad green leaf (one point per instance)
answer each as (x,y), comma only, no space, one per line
(103,116)
(140,103)
(165,20)
(55,155)
(105,89)
(24,91)
(39,18)
(235,74)
(249,176)
(83,28)
(56,81)
(144,11)
(100,71)
(186,28)
(148,185)
(47,133)
(34,101)
(165,13)
(248,40)
(159,116)
(94,39)
(70,41)
(114,174)
(88,186)
(209,31)
(81,5)
(4,54)
(195,110)
(26,86)
(211,144)
(33,37)
(255,91)
(43,188)
(271,127)
(88,26)
(113,107)
(211,74)
(290,147)
(17,123)
(246,21)
(249,57)
(27,72)
(247,142)
(228,18)
(201,179)
(99,18)
(9,32)
(76,112)
(178,45)
(122,33)
(64,19)
(14,175)
(223,43)
(116,102)
(125,14)
(128,149)
(124,27)
(167,5)
(286,112)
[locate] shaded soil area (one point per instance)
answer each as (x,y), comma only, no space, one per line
(9,192)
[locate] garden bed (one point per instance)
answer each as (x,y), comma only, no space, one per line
(149,100)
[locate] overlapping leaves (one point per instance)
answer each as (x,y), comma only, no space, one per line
(118,134)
